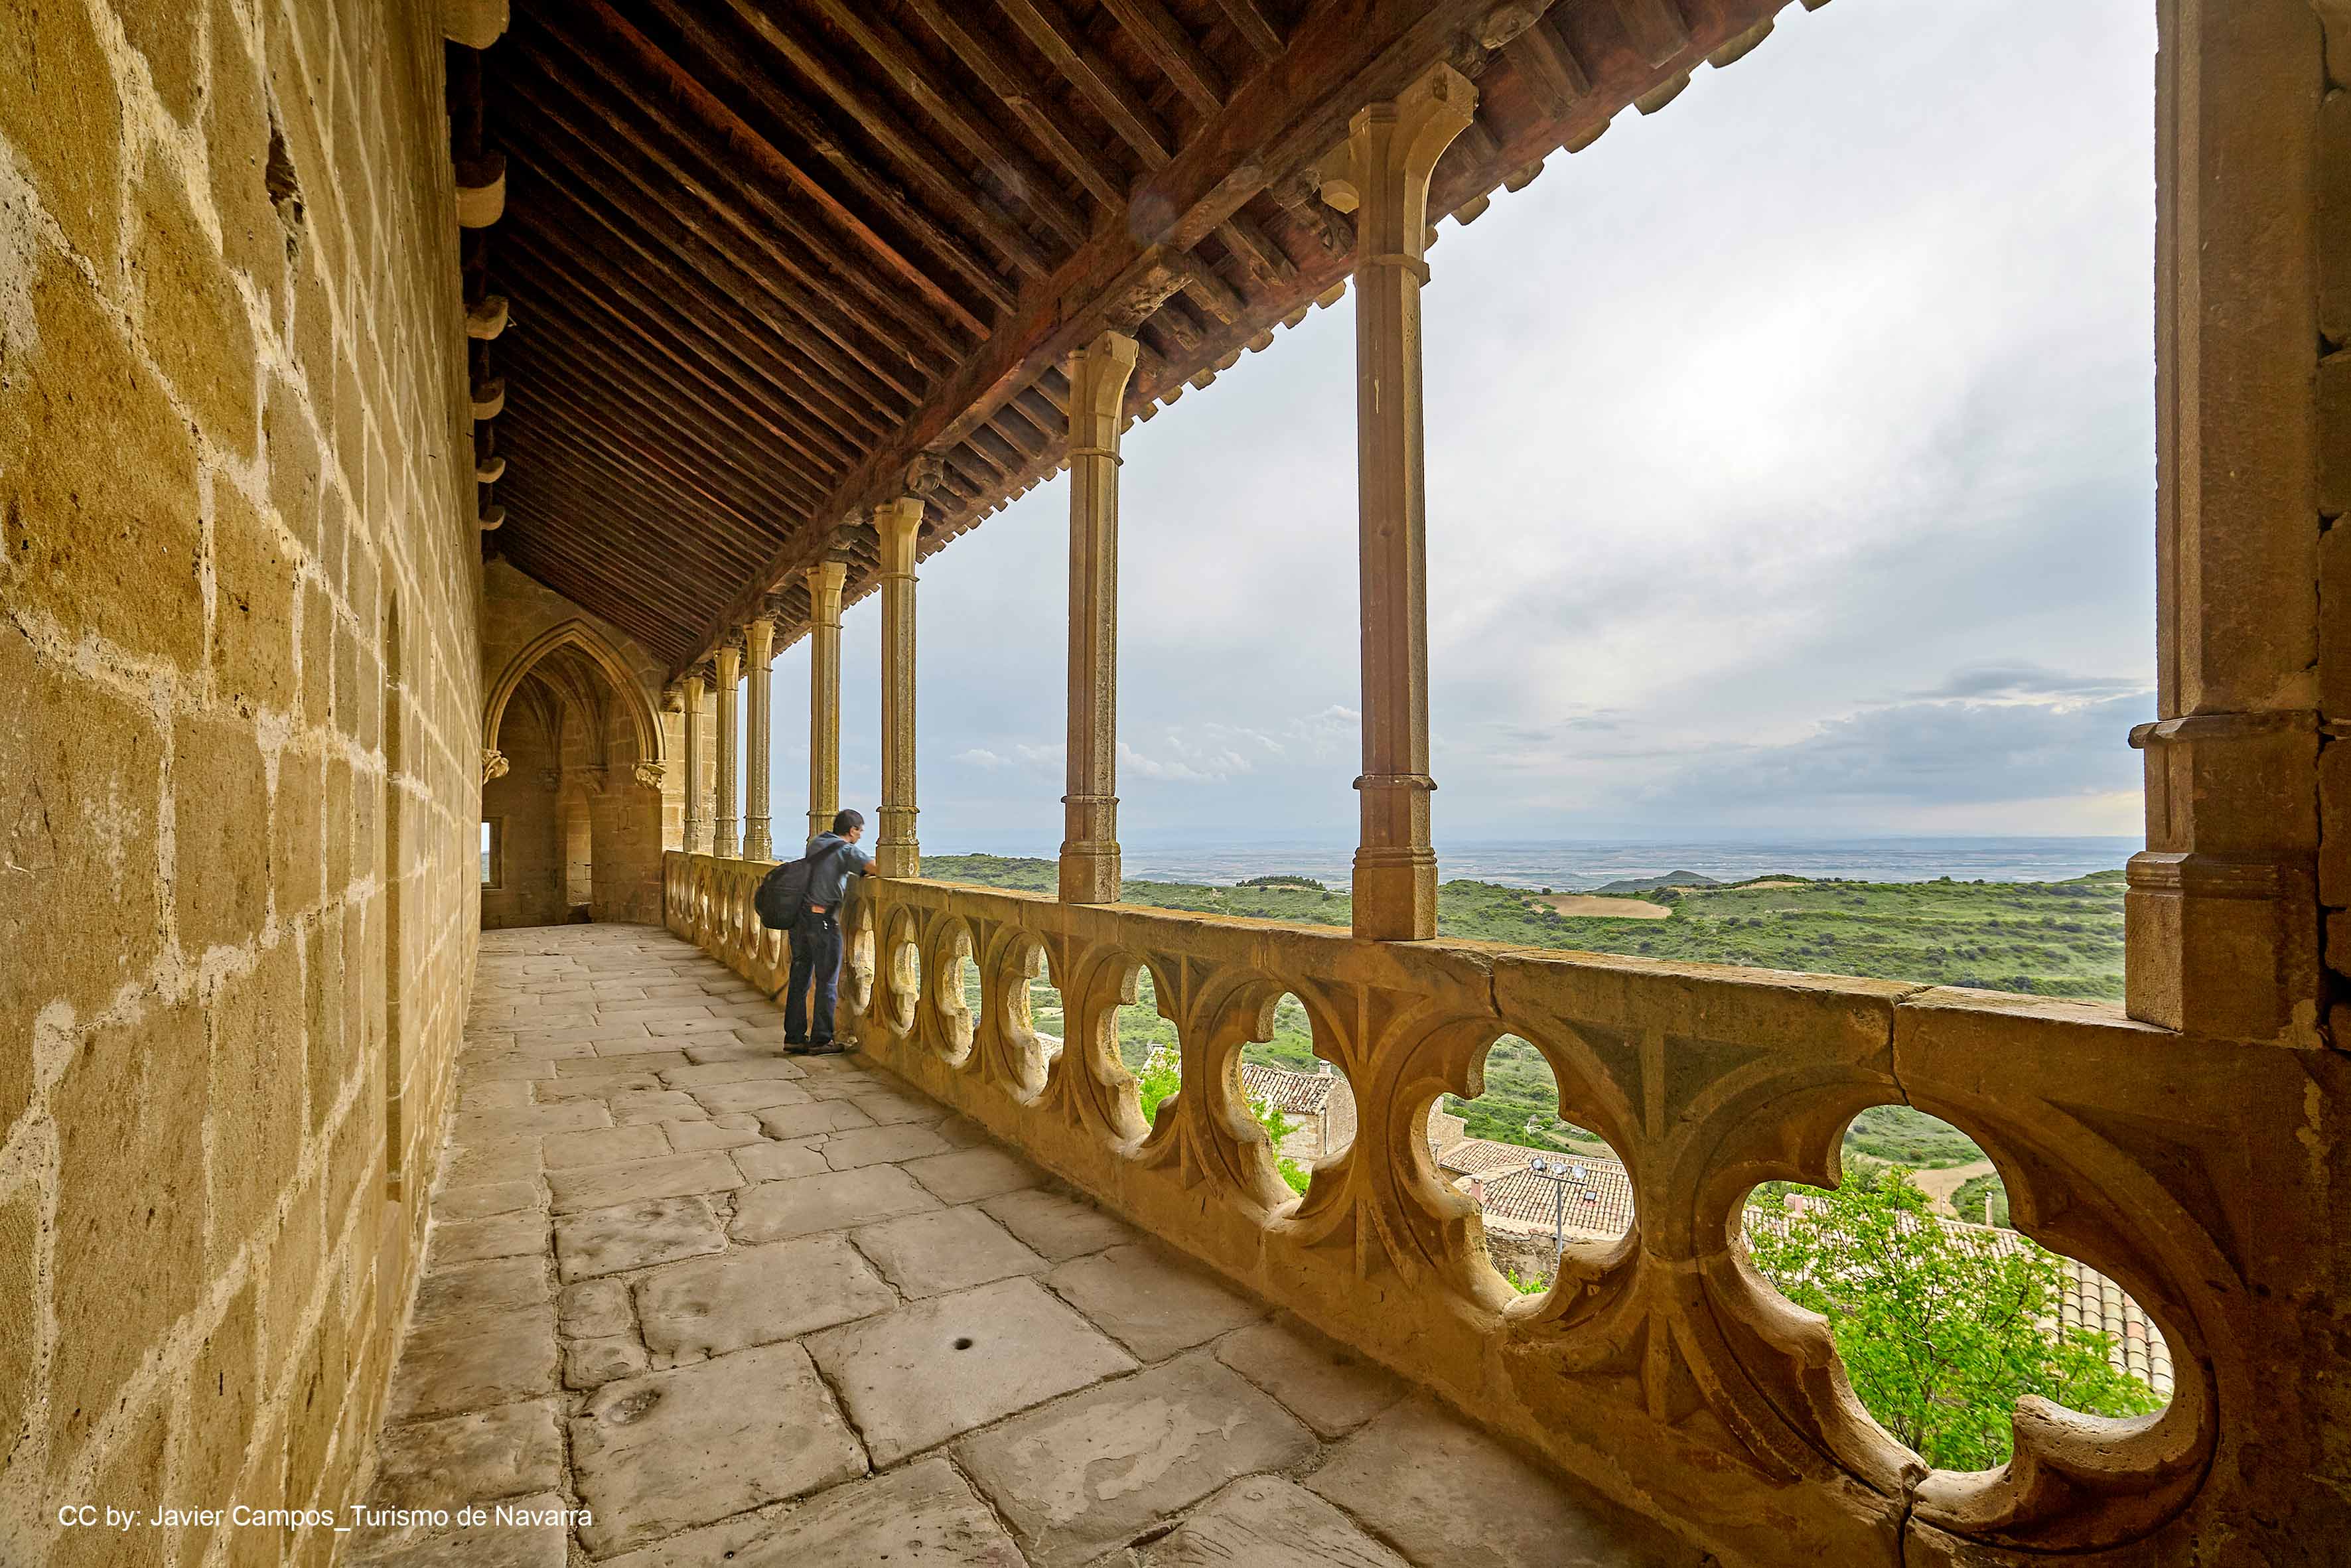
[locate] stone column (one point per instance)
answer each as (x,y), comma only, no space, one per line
(758,651)
(824,584)
(725,845)
(2221,911)
(692,688)
(1392,149)
(898,853)
(1089,858)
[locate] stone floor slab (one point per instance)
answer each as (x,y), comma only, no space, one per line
(780,1211)
(1448,1496)
(1323,1384)
(594,1308)
(947,1249)
(756,1295)
(728,1131)
(813,1120)
(656,1106)
(971,1174)
(672,1176)
(1265,1522)
(1087,1472)
(500,1160)
(635,1236)
(747,1069)
(487,1199)
(592,1363)
(765,1161)
(1059,1228)
(931,1371)
(504,1451)
(1150,1303)
(881,1145)
(496,1285)
(500,1235)
(596,1086)
(923,1516)
(750,1094)
(670,1450)
(886,1108)
(605,1146)
(443,1373)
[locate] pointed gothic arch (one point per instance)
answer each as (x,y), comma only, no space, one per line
(644,724)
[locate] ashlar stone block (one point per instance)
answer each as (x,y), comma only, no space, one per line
(780,1211)
(635,1236)
(503,1451)
(1057,1226)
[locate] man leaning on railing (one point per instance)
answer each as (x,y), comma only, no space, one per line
(833,859)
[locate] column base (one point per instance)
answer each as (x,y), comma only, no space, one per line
(1091,873)
(899,860)
(757,845)
(1396,895)
(725,845)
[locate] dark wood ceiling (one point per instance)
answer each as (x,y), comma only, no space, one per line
(763,254)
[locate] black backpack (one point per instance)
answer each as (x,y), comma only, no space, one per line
(783,892)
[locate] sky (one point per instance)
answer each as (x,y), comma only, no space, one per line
(1791,474)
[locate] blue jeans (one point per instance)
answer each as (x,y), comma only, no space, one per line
(815,956)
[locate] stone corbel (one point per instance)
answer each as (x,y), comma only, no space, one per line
(481,190)
(486,317)
(477,24)
(489,470)
(490,398)
(550,779)
(492,518)
(494,764)
(650,774)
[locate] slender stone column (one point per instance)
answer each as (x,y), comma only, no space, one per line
(1089,858)
(1392,149)
(2221,916)
(693,690)
(824,584)
(758,651)
(898,853)
(726,844)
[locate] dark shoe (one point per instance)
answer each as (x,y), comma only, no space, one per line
(815,1047)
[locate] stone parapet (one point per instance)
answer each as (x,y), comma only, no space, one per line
(2191,1170)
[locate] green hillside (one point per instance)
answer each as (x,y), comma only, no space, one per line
(2059,939)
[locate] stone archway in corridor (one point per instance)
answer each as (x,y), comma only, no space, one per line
(573,759)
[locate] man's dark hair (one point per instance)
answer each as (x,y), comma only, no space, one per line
(845,822)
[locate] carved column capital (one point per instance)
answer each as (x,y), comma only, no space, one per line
(494,764)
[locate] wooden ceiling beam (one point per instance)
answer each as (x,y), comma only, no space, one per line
(716,380)
(537,552)
(967,122)
(743,321)
(763,155)
(590,455)
(648,407)
(1254,26)
(644,186)
(672,533)
(1092,73)
(743,360)
(839,274)
(949,195)
(698,487)
(585,527)
(1171,49)
(1005,76)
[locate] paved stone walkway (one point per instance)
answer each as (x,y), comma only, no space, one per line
(751,1311)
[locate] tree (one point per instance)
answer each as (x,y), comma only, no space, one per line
(1942,1327)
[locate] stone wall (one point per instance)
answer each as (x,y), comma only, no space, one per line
(631,786)
(239,649)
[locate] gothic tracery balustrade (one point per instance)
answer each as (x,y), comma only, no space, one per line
(1661,1360)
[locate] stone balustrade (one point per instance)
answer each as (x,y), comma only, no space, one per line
(1662,1366)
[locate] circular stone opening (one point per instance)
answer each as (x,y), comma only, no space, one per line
(1302,1101)
(1543,1185)
(1944,1321)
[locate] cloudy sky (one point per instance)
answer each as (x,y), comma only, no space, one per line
(1789,475)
